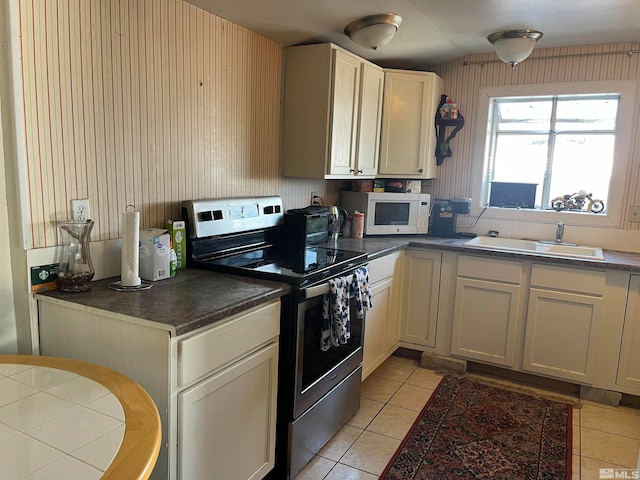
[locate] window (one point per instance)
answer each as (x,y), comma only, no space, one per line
(561,144)
(563,138)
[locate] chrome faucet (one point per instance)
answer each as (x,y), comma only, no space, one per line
(559,232)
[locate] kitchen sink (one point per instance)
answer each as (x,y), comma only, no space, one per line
(539,248)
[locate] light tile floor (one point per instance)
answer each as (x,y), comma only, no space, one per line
(392,397)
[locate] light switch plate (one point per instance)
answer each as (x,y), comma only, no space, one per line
(634,213)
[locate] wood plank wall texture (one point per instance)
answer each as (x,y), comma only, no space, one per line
(462,83)
(147,103)
(150,103)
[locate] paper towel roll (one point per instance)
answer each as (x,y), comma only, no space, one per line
(130,239)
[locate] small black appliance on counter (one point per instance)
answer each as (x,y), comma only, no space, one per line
(306,226)
(444,214)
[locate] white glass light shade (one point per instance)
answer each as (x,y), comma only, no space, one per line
(373,31)
(514,46)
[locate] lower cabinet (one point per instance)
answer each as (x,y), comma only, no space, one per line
(215,388)
(420,293)
(381,334)
(563,317)
(225,423)
(629,360)
(487,310)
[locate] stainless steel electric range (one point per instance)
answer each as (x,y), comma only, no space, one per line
(318,391)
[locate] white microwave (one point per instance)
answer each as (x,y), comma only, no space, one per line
(389,213)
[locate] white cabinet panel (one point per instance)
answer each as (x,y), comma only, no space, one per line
(344,113)
(227,421)
(407,144)
(421,288)
(487,309)
(381,333)
(629,362)
(375,332)
(233,339)
(332,113)
(560,334)
(485,321)
(370,120)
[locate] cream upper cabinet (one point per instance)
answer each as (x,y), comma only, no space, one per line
(563,317)
(420,292)
(487,310)
(332,113)
(408,142)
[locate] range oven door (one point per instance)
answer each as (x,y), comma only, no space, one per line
(317,372)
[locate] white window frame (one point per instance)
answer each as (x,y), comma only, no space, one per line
(622,153)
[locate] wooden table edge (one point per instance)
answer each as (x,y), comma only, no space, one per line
(140,445)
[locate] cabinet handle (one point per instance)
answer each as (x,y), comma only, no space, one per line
(351,170)
(421,170)
(360,171)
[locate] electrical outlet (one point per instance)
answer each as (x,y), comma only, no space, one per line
(80,210)
(634,213)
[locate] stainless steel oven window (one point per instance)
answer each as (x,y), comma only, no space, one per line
(317,371)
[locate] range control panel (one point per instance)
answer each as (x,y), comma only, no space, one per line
(221,216)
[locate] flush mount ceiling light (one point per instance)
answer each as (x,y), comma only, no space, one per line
(513,46)
(373,31)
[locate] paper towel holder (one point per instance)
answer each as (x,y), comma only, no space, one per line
(118,286)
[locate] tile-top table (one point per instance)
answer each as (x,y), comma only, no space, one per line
(61,418)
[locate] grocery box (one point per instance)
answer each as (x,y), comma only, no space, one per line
(403,186)
(378,185)
(362,186)
(177,232)
(153,254)
(413,186)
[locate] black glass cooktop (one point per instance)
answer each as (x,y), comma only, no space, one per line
(288,264)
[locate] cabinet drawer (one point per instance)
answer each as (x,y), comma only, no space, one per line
(211,349)
(490,269)
(382,268)
(568,279)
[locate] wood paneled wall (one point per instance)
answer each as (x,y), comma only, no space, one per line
(462,83)
(149,103)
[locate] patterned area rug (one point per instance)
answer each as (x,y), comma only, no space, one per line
(469,430)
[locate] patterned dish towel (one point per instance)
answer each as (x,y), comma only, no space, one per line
(336,317)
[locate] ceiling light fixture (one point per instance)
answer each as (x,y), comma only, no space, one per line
(513,46)
(373,31)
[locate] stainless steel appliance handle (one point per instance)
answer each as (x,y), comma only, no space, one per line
(315,291)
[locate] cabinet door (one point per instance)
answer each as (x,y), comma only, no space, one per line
(629,363)
(345,102)
(421,288)
(375,329)
(560,334)
(371,92)
(408,132)
(226,423)
(485,321)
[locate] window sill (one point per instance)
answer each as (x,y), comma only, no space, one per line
(585,219)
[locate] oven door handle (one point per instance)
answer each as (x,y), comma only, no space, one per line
(315,291)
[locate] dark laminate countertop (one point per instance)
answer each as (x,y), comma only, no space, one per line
(378,246)
(196,298)
(186,302)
